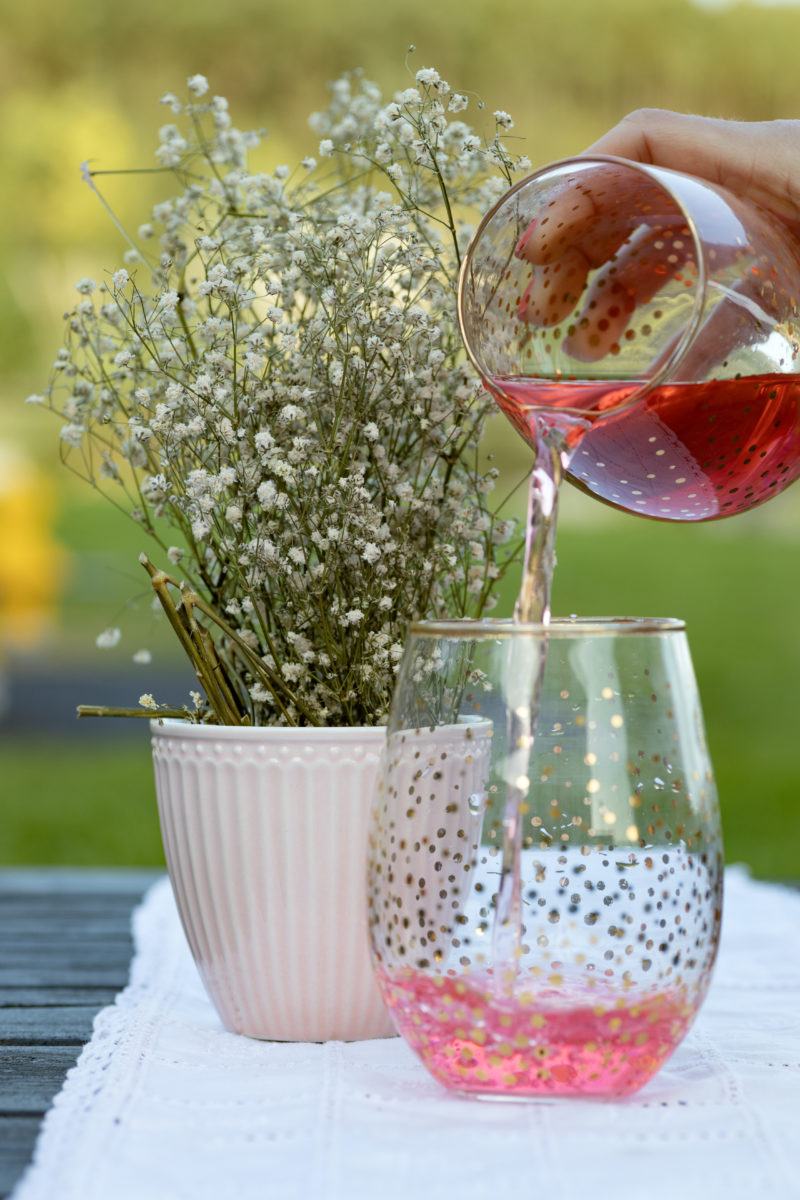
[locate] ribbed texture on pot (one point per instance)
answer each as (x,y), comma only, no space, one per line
(264,833)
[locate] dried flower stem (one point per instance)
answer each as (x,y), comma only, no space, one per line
(103,710)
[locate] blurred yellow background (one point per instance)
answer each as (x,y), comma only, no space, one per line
(82,81)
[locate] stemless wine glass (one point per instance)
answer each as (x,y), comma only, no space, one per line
(657,316)
(589,974)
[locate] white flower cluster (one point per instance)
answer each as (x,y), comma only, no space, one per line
(277,385)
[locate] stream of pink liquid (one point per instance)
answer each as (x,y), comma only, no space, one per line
(530,1044)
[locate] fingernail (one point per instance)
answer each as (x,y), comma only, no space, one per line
(519,249)
(523,306)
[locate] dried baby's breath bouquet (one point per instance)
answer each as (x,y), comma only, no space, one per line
(274,389)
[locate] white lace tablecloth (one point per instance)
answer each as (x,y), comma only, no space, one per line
(164,1105)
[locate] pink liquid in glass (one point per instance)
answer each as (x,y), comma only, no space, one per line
(533,1043)
(687,452)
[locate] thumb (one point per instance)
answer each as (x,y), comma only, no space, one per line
(757,160)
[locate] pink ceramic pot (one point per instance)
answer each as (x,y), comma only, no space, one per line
(265,832)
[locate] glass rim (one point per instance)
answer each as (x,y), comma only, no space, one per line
(559,627)
(656,174)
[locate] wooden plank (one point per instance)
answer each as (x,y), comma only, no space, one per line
(70,881)
(65,948)
(18,926)
(30,1076)
(88,904)
(17,1139)
(81,954)
(54,1026)
(47,975)
(13,946)
(95,903)
(46,938)
(96,995)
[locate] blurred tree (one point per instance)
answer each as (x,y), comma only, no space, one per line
(82,80)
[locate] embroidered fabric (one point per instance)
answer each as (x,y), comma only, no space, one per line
(165,1105)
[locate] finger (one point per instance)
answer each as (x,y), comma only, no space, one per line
(595,212)
(588,237)
(739,316)
(757,160)
(648,261)
(743,315)
(554,290)
(567,217)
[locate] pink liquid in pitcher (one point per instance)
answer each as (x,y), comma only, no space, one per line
(533,1043)
(686,452)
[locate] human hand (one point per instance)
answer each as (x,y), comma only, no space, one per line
(758,161)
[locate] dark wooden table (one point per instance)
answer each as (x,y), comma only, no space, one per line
(65,950)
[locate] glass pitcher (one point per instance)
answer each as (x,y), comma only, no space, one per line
(651,315)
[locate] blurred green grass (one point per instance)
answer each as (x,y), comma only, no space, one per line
(734,583)
(105,584)
(738,594)
(85,806)
(76,87)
